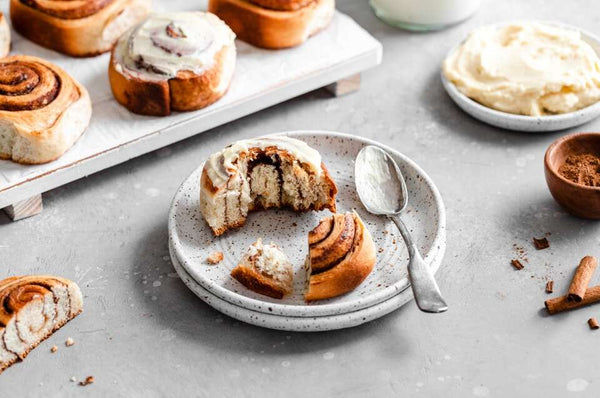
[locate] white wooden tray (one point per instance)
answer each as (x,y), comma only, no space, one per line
(262,78)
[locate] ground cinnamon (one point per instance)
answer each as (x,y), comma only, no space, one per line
(583,168)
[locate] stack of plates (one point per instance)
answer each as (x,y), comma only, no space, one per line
(386,288)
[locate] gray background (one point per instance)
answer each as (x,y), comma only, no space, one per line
(108,233)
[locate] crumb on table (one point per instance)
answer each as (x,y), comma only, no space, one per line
(88,380)
(69,342)
(53,349)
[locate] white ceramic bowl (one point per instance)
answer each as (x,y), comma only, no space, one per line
(529,124)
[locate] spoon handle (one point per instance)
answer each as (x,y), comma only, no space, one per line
(426,291)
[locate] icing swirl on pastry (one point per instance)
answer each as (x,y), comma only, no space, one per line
(165,44)
(221,165)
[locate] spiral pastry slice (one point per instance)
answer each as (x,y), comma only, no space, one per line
(341,256)
(43,111)
(180,61)
(80,28)
(4,37)
(31,309)
(274,23)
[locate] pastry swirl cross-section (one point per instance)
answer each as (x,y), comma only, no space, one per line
(43,110)
(77,28)
(263,173)
(31,309)
(178,61)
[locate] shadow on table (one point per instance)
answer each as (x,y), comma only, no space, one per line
(195,322)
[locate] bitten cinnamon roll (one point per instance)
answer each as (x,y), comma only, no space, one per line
(274,23)
(4,37)
(180,61)
(80,28)
(341,256)
(43,110)
(31,309)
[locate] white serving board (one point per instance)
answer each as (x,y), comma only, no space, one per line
(262,78)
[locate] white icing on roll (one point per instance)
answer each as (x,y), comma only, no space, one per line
(221,165)
(165,44)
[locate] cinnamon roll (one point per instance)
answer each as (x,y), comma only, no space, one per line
(274,23)
(180,61)
(341,256)
(31,309)
(4,37)
(263,173)
(43,110)
(80,28)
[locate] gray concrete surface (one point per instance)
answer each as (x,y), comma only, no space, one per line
(108,232)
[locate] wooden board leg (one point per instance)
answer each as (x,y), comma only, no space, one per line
(26,208)
(345,86)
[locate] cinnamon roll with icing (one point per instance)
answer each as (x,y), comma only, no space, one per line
(31,309)
(263,173)
(4,37)
(274,23)
(179,61)
(80,28)
(43,110)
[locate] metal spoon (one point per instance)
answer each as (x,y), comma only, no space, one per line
(382,190)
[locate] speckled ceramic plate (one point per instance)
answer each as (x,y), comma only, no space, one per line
(529,124)
(291,323)
(193,241)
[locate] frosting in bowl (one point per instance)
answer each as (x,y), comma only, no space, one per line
(165,44)
(526,68)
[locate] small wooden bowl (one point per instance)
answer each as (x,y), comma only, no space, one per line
(579,200)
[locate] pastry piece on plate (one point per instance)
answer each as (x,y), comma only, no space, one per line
(274,23)
(43,110)
(4,37)
(178,61)
(341,256)
(31,309)
(263,173)
(76,28)
(266,270)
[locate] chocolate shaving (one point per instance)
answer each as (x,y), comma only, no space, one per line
(517,264)
(541,244)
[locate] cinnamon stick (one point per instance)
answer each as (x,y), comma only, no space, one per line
(549,286)
(593,323)
(562,303)
(582,277)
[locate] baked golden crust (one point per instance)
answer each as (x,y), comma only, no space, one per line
(282,5)
(43,110)
(344,274)
(274,28)
(76,28)
(186,92)
(257,283)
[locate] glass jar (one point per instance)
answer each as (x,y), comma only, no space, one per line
(424,15)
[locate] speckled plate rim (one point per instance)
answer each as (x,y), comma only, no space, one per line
(433,257)
(290,323)
(523,123)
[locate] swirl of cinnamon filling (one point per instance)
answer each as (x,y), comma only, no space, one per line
(27,85)
(68,9)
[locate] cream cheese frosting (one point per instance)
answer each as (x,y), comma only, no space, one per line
(221,165)
(164,44)
(526,68)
